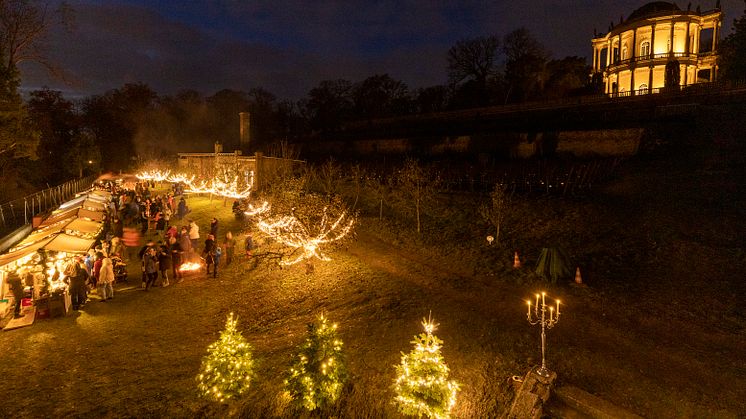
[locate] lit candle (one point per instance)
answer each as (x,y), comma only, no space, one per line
(528,313)
(558,301)
(543,303)
(551,313)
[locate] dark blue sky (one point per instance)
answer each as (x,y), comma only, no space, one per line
(288,47)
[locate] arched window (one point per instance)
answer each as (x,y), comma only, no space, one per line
(643,89)
(645,48)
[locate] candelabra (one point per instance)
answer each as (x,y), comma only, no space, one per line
(538,317)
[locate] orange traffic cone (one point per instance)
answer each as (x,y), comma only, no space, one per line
(578,278)
(516,261)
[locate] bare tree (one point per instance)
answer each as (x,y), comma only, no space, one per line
(497,209)
(381,189)
(525,65)
(24,25)
(417,185)
(357,176)
(329,175)
(473,59)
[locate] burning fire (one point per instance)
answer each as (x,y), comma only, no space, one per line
(190,266)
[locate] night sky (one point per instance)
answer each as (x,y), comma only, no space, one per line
(288,47)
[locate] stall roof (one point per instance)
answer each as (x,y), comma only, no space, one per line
(84,226)
(105,194)
(94,205)
(59,216)
(18,254)
(93,215)
(75,202)
(99,195)
(37,236)
(70,244)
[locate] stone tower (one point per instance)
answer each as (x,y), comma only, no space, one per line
(245,131)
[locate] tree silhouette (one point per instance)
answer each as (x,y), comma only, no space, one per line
(525,65)
(732,54)
(474,60)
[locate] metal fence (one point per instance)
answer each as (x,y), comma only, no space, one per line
(550,177)
(21,211)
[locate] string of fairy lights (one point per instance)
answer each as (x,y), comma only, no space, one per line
(305,242)
(289,231)
(318,372)
(422,386)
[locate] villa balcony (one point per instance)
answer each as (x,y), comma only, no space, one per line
(687,58)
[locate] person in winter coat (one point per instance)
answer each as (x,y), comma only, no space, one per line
(208,253)
(176,257)
(77,279)
(116,247)
(90,259)
(16,287)
(193,233)
(214,227)
(106,280)
(171,232)
(150,265)
(167,213)
(160,224)
(181,209)
(164,264)
(216,258)
(97,267)
(185,243)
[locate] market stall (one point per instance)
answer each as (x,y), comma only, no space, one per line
(83,228)
(25,262)
(59,216)
(73,203)
(93,205)
(91,215)
(42,258)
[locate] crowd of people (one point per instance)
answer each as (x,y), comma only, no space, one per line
(136,216)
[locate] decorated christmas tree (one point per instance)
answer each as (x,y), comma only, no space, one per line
(422,386)
(228,367)
(317,374)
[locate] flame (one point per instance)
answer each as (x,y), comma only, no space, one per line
(190,266)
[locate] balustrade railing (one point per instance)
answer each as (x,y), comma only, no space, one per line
(18,212)
(651,57)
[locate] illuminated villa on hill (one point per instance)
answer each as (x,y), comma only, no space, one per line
(633,57)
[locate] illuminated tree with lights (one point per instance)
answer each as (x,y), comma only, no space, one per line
(313,228)
(228,367)
(318,373)
(422,386)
